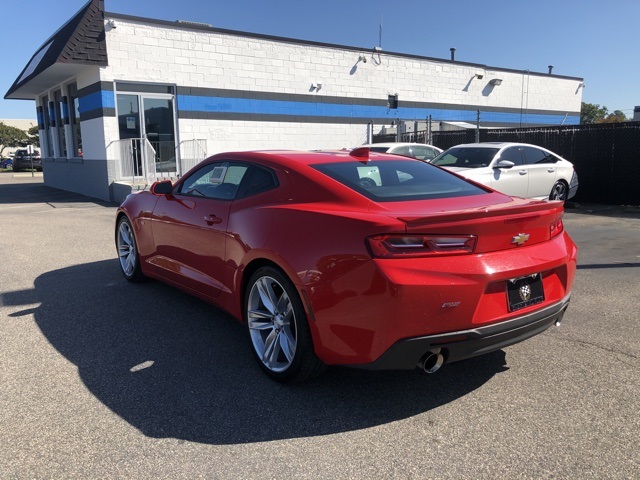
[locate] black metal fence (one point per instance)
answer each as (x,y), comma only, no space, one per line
(606,156)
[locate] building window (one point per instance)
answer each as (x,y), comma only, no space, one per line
(46,144)
(74,119)
(59,109)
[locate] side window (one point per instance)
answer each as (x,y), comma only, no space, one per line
(424,153)
(403,176)
(535,156)
(259,180)
(513,154)
(448,160)
(405,151)
(215,180)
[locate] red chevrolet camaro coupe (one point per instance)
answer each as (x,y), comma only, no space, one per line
(353,258)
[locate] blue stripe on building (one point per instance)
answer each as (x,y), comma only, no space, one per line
(97,100)
(209,107)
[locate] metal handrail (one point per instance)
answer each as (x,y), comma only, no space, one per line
(190,153)
(135,159)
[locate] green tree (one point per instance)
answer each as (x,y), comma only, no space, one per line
(615,117)
(592,113)
(34,136)
(11,137)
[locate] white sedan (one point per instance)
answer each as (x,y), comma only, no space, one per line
(421,151)
(517,169)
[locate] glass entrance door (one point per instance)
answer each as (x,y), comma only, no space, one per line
(130,129)
(159,130)
(147,134)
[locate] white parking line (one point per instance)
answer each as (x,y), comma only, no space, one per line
(27,174)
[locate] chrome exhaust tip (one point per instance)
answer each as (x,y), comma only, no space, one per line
(432,361)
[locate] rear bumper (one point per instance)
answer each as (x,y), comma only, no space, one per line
(406,354)
(23,164)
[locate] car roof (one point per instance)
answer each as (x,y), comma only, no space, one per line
(399,144)
(497,145)
(294,159)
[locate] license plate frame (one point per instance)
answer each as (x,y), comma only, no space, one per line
(524,291)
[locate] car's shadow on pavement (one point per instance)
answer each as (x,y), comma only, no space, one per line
(36,192)
(173,366)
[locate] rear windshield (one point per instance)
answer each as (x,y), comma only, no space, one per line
(398,180)
(466,157)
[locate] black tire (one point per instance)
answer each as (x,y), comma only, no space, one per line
(559,191)
(277,324)
(127,248)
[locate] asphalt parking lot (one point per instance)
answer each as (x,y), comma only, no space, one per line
(103,379)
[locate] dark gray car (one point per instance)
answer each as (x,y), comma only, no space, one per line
(22,160)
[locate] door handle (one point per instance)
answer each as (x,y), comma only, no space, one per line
(522,172)
(212,219)
(551,170)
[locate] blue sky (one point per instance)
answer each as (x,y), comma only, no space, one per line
(593,39)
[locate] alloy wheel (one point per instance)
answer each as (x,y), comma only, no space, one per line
(127,249)
(272,324)
(559,191)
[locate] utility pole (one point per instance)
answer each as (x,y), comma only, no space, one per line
(478,128)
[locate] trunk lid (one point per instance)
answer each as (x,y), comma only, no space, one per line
(498,225)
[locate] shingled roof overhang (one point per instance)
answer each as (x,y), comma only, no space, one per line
(78,43)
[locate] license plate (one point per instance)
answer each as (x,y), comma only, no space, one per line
(524,291)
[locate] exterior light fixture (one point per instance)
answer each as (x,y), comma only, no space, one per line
(496,81)
(479,76)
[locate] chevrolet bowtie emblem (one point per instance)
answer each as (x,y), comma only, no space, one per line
(520,239)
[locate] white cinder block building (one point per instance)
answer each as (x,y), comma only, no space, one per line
(122,100)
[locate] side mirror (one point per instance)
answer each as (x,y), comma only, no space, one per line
(162,188)
(504,164)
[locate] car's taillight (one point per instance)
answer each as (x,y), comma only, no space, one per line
(406,246)
(556,228)
(574,180)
